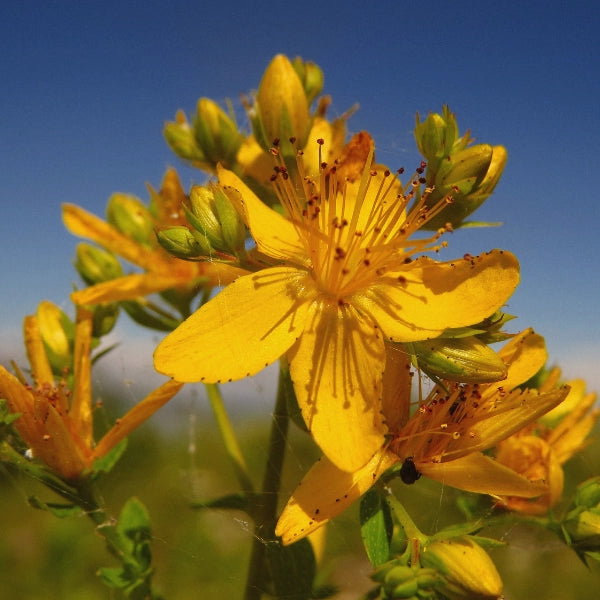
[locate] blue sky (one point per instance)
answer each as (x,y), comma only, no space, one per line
(87,87)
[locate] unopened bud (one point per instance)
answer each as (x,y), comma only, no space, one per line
(58,332)
(465,359)
(587,493)
(281,107)
(216,133)
(179,241)
(180,137)
(131,217)
(311,77)
(214,216)
(467,570)
(96,264)
(584,528)
(437,136)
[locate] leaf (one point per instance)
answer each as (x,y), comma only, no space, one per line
(106,463)
(376,526)
(134,521)
(292,569)
(57,509)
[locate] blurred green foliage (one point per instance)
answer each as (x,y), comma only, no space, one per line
(204,554)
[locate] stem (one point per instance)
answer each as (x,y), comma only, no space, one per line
(229,439)
(266,510)
(410,529)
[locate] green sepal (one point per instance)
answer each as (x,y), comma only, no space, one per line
(106,463)
(376,526)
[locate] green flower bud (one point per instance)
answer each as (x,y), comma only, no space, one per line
(131,217)
(584,528)
(96,264)
(104,319)
(281,107)
(216,133)
(437,137)
(464,169)
(587,493)
(401,581)
(311,77)
(181,139)
(464,359)
(466,569)
(214,216)
(182,243)
(58,332)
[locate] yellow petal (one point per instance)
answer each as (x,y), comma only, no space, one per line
(397,385)
(337,367)
(525,355)
(125,288)
(326,492)
(84,224)
(506,416)
(432,297)
(275,235)
(483,475)
(81,405)
(247,326)
(136,416)
(36,353)
(19,400)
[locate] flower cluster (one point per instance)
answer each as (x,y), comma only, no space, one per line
(329,262)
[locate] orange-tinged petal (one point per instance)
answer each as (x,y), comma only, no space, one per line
(20,400)
(525,354)
(81,405)
(275,235)
(325,492)
(337,368)
(136,416)
(397,384)
(507,416)
(483,475)
(84,224)
(247,326)
(36,353)
(426,297)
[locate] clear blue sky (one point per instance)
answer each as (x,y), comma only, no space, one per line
(87,87)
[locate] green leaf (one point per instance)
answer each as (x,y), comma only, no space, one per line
(113,577)
(109,460)
(292,569)
(6,417)
(134,521)
(376,526)
(56,508)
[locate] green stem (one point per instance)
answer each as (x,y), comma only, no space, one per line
(229,438)
(266,510)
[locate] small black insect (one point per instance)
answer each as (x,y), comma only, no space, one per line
(408,471)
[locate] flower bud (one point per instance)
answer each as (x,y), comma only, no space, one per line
(131,217)
(179,241)
(464,359)
(587,493)
(437,136)
(216,133)
(464,169)
(311,77)
(281,106)
(584,528)
(466,569)
(213,215)
(96,264)
(180,137)
(58,332)
(401,581)
(104,319)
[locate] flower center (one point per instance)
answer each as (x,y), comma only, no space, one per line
(355,230)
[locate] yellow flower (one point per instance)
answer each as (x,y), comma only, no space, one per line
(539,450)
(161,270)
(342,282)
(56,420)
(443,439)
